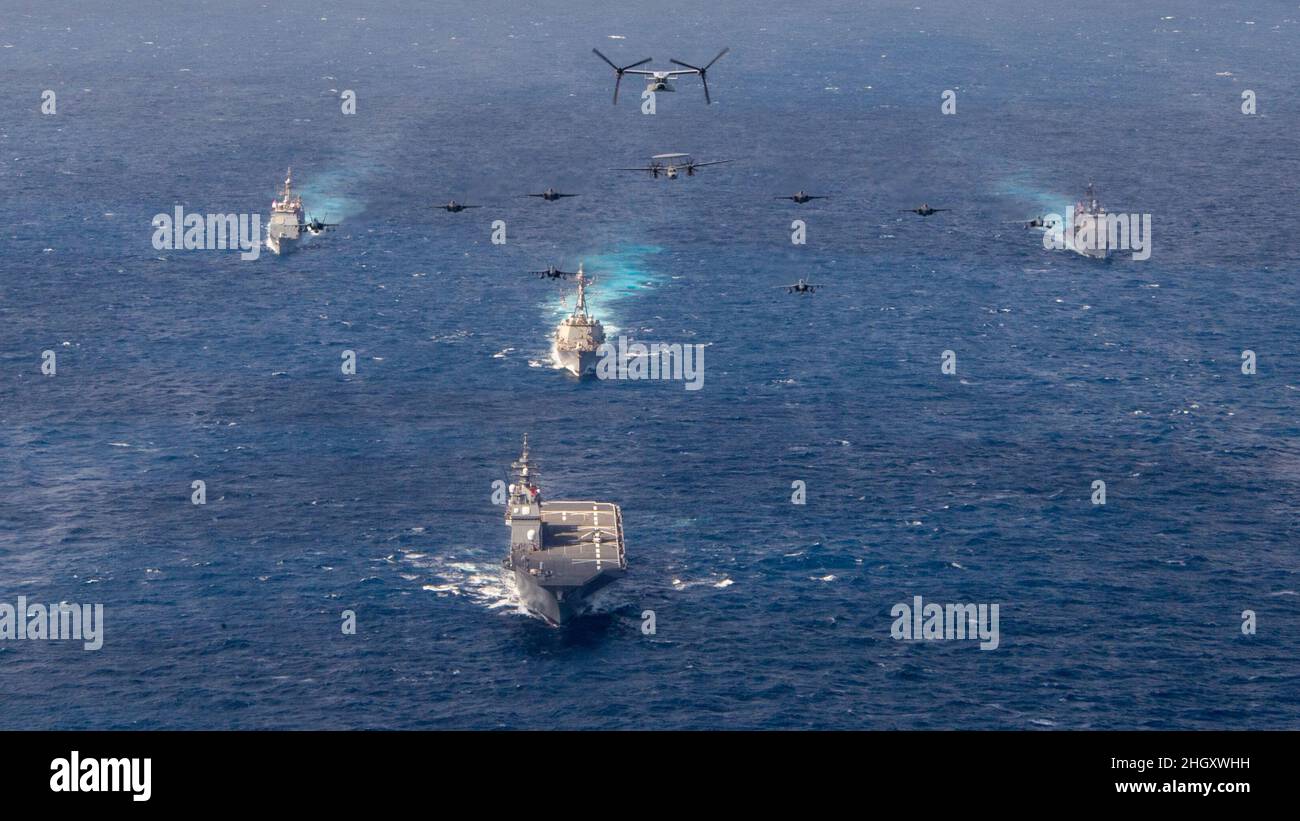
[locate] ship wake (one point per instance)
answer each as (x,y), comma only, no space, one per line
(486,584)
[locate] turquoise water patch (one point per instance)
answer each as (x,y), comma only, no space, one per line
(327,194)
(617,275)
(1022,189)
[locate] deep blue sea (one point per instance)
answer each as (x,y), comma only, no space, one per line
(372,492)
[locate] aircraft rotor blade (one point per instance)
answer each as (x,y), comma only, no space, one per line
(619,70)
(703,72)
(596,52)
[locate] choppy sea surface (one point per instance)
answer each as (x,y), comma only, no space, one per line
(372,492)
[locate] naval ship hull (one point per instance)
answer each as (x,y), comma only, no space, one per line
(281,245)
(578,363)
(1090,221)
(558,606)
(1094,251)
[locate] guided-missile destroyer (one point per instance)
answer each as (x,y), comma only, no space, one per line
(578,336)
(285,228)
(560,552)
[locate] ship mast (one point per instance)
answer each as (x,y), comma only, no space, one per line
(1090,197)
(580,310)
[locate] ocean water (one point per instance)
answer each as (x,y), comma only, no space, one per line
(372,492)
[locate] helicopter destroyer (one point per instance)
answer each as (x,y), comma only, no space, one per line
(560,552)
(578,336)
(284,229)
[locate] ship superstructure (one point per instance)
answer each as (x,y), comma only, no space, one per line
(1090,230)
(561,552)
(285,228)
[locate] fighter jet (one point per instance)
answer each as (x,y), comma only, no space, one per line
(1036,222)
(455,207)
(801,287)
(552,272)
(316,226)
(550,195)
(800,197)
(925,210)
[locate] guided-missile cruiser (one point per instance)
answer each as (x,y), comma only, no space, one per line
(284,229)
(1090,228)
(578,336)
(560,552)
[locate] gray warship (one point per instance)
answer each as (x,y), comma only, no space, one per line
(578,336)
(560,552)
(1090,219)
(285,228)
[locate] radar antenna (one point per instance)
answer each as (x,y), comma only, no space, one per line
(580,310)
